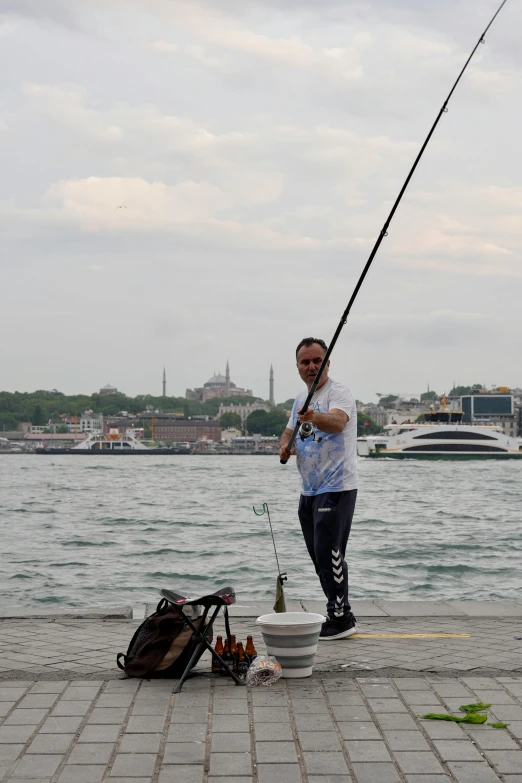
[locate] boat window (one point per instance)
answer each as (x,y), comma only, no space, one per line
(454,435)
(440,447)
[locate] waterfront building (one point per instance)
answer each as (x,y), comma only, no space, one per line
(406,415)
(188,430)
(24,428)
(123,421)
(376,413)
(510,426)
(227,436)
(244,409)
(518,418)
(492,407)
(485,405)
(218,386)
(88,422)
(256,443)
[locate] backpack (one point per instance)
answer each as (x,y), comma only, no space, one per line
(162,645)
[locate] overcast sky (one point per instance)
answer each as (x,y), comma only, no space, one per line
(189,181)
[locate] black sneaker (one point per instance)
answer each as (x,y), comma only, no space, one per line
(338,629)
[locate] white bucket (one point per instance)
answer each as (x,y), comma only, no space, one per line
(292,637)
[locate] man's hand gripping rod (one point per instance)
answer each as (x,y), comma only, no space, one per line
(384,233)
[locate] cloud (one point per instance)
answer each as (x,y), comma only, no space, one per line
(60,13)
(93,203)
(257,148)
(6,29)
(199,53)
(248,168)
(179,176)
(165,47)
(363,60)
(419,329)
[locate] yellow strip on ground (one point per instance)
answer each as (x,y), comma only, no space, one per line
(410,635)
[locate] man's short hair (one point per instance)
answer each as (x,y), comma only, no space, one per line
(308,341)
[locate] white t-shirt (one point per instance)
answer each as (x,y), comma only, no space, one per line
(328,463)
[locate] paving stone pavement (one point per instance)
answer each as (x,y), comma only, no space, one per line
(67,716)
(331,729)
(87,648)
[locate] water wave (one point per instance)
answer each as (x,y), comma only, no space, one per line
(426,531)
(24,576)
(88,543)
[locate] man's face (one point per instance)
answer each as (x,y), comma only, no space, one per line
(309,359)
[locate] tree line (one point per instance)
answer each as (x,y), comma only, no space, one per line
(40,406)
(274,422)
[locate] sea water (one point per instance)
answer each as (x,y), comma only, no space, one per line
(90,530)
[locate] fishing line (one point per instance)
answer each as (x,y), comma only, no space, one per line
(384,233)
(259,511)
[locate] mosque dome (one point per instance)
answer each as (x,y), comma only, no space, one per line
(218,381)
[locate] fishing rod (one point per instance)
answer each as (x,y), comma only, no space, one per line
(280,603)
(259,511)
(307,431)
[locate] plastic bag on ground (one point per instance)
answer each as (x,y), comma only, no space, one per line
(263,671)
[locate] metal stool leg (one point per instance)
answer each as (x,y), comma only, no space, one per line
(188,667)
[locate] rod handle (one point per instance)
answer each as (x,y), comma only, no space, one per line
(283,461)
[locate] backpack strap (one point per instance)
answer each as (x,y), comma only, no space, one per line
(121,655)
(227,626)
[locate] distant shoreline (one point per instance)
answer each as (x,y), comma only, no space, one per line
(137,453)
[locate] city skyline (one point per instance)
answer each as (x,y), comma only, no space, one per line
(270,397)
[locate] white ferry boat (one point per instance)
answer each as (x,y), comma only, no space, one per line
(441,436)
(113,441)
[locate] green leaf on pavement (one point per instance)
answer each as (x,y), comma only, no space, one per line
(499,725)
(472,717)
(479,707)
(437,716)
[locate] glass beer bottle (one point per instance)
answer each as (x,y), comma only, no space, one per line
(227,657)
(216,665)
(250,650)
(242,661)
(233,651)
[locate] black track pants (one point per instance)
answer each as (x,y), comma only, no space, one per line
(326,521)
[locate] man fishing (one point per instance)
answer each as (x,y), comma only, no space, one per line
(327,461)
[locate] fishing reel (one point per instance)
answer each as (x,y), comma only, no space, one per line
(306,430)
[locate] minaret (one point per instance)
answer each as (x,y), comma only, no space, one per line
(164,383)
(271,399)
(227,381)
